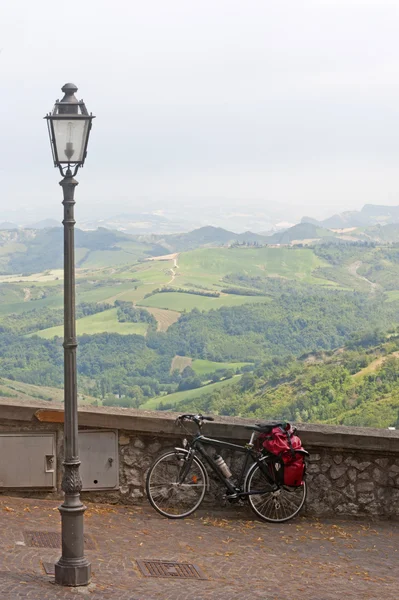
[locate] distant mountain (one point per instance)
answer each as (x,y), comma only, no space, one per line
(45,224)
(204,236)
(7,225)
(380,212)
(137,224)
(380,233)
(371,214)
(302,231)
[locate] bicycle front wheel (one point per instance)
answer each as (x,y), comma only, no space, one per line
(176,484)
(274,503)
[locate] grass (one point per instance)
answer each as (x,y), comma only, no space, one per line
(20,307)
(102,322)
(12,302)
(11,248)
(46,276)
(107,258)
(165,318)
(393,295)
(10,294)
(102,293)
(208,266)
(374,365)
(204,267)
(134,294)
(178,397)
(179,301)
(153,272)
(26,391)
(124,253)
(202,367)
(179,363)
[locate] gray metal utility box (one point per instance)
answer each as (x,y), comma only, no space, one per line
(28,460)
(98,451)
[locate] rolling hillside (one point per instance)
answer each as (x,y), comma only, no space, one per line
(102,322)
(173,401)
(162,316)
(352,386)
(27,392)
(181,302)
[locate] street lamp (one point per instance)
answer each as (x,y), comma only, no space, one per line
(69,127)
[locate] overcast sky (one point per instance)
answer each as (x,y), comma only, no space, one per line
(291,105)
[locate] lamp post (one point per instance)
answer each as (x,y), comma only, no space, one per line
(69,127)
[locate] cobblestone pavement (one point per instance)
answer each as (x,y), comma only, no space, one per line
(240,558)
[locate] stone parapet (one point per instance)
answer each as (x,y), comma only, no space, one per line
(352,471)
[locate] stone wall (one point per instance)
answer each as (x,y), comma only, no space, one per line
(351,471)
(350,483)
(340,481)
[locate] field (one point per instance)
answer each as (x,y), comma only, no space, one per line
(45,277)
(393,296)
(206,267)
(165,318)
(132,294)
(25,391)
(180,301)
(177,397)
(153,272)
(21,306)
(374,365)
(125,253)
(202,367)
(179,363)
(105,321)
(121,274)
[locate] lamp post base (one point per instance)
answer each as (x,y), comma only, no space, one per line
(73,573)
(73,568)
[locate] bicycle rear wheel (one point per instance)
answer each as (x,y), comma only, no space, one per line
(176,487)
(274,503)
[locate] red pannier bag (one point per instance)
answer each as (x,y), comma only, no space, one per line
(283,443)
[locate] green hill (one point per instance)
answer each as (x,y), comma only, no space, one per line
(105,321)
(207,267)
(355,386)
(173,401)
(370,214)
(302,231)
(32,251)
(205,236)
(27,392)
(214,308)
(185,302)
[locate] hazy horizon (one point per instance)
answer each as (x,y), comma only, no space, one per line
(281,110)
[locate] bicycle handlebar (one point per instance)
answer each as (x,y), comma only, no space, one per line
(198,419)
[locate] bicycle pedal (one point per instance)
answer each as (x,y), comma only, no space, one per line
(232,497)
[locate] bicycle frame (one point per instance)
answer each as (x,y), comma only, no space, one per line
(200,440)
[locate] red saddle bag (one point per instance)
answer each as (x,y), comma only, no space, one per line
(287,446)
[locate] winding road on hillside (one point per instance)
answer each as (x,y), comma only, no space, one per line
(173,270)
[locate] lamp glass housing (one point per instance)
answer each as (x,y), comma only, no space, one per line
(69,126)
(70,138)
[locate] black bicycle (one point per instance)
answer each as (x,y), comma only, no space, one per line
(178,480)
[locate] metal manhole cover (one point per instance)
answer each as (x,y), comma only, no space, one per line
(50,539)
(49,567)
(159,568)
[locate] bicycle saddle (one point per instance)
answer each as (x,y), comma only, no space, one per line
(265,427)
